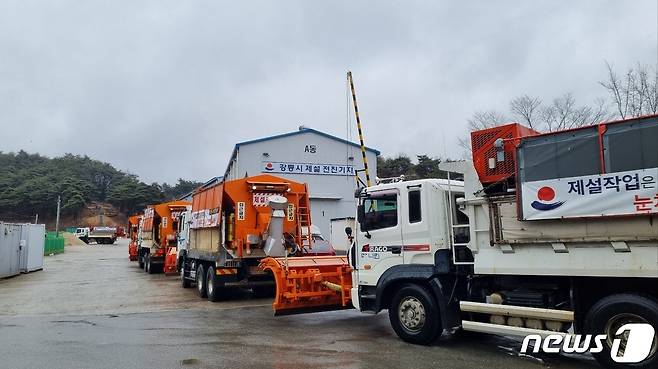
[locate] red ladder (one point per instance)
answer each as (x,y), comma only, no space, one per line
(303,215)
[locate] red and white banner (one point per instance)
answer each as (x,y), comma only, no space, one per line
(261,198)
(205,218)
(621,193)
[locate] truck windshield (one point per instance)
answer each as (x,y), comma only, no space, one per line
(380,212)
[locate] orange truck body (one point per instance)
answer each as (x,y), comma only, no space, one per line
(133,228)
(158,242)
(230,225)
(244,204)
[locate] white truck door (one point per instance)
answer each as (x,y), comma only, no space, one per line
(379,236)
(415,225)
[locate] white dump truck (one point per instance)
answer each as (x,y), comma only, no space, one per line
(100,235)
(553,237)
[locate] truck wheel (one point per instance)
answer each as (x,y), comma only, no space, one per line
(212,285)
(414,315)
(146,263)
(185,283)
(201,281)
(610,314)
(140,261)
(151,269)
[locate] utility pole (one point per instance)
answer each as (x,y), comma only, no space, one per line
(36,218)
(57,219)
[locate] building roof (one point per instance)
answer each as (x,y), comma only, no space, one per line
(212,181)
(301,130)
(209,182)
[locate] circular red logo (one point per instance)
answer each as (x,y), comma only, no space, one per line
(546,194)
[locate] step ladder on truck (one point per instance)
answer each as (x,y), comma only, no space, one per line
(547,235)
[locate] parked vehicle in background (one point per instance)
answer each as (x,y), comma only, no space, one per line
(547,235)
(183,235)
(100,235)
(133,233)
(157,243)
(338,239)
(321,246)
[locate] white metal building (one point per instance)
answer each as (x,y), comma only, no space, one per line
(325,162)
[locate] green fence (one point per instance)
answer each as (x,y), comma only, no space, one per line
(71,229)
(54,243)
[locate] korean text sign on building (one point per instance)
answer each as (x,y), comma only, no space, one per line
(308,168)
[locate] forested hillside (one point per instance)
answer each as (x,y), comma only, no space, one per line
(30,184)
(426,167)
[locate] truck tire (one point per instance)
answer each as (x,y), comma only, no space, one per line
(414,315)
(213,289)
(610,313)
(146,263)
(184,282)
(151,269)
(140,260)
(201,281)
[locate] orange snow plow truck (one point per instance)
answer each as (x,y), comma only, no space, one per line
(237,223)
(133,230)
(157,242)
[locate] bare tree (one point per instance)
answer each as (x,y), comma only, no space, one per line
(636,93)
(486,119)
(563,113)
(481,119)
(525,108)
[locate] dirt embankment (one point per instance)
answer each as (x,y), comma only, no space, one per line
(101,214)
(92,215)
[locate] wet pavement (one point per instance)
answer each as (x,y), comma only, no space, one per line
(92,308)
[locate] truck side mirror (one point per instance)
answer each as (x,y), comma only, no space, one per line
(360,213)
(348,231)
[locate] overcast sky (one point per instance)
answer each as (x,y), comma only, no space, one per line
(164,89)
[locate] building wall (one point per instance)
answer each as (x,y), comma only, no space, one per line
(332,196)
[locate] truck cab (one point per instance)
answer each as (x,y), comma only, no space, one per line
(403,232)
(183,234)
(82,232)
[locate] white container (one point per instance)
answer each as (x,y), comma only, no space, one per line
(31,245)
(10,258)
